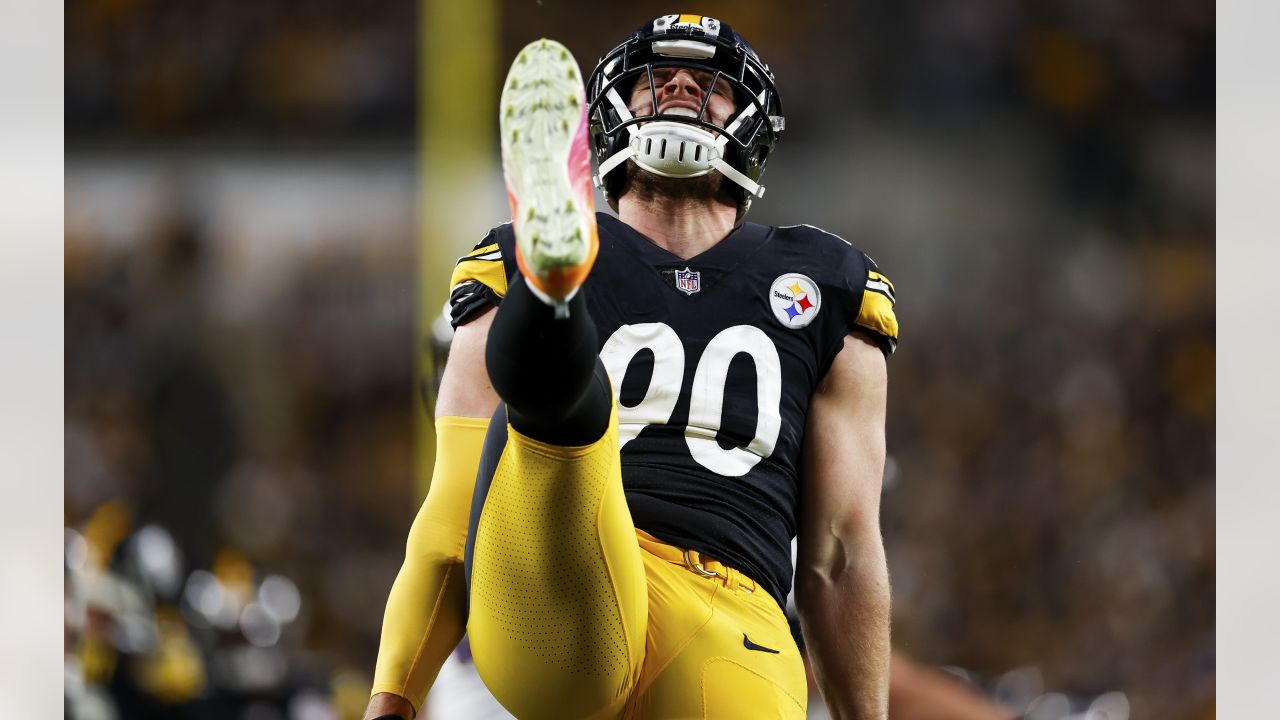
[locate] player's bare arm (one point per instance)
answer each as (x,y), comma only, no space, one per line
(384,704)
(842,582)
(465,392)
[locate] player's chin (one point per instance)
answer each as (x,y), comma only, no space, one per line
(647,185)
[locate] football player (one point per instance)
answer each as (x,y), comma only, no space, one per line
(675,394)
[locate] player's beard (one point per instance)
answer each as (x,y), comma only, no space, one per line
(647,186)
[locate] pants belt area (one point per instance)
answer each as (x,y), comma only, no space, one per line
(697,563)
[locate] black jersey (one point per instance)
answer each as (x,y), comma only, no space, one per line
(714,360)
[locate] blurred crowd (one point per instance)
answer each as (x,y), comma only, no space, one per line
(1036,178)
(241,463)
(283,69)
(1050,500)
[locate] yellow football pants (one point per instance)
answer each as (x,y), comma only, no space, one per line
(576,614)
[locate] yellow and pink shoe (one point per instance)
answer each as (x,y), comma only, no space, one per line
(547,166)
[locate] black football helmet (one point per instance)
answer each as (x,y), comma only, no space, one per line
(685,144)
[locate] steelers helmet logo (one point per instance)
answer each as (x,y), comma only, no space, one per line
(795,300)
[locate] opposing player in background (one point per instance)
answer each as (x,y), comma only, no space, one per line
(682,393)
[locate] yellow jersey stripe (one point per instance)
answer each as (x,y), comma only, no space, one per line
(491,249)
(873,275)
(491,274)
(876,314)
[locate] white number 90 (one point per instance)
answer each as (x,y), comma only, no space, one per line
(706,403)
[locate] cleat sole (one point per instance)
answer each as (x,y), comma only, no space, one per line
(553,216)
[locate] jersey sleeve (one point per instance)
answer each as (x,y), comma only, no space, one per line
(864,295)
(479,281)
(876,317)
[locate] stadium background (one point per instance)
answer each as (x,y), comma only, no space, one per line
(245,201)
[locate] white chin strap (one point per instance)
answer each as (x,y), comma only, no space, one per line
(676,150)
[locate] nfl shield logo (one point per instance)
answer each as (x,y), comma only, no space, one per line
(688,281)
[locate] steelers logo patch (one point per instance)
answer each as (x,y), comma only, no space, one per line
(795,300)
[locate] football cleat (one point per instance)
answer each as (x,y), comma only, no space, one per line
(547,166)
